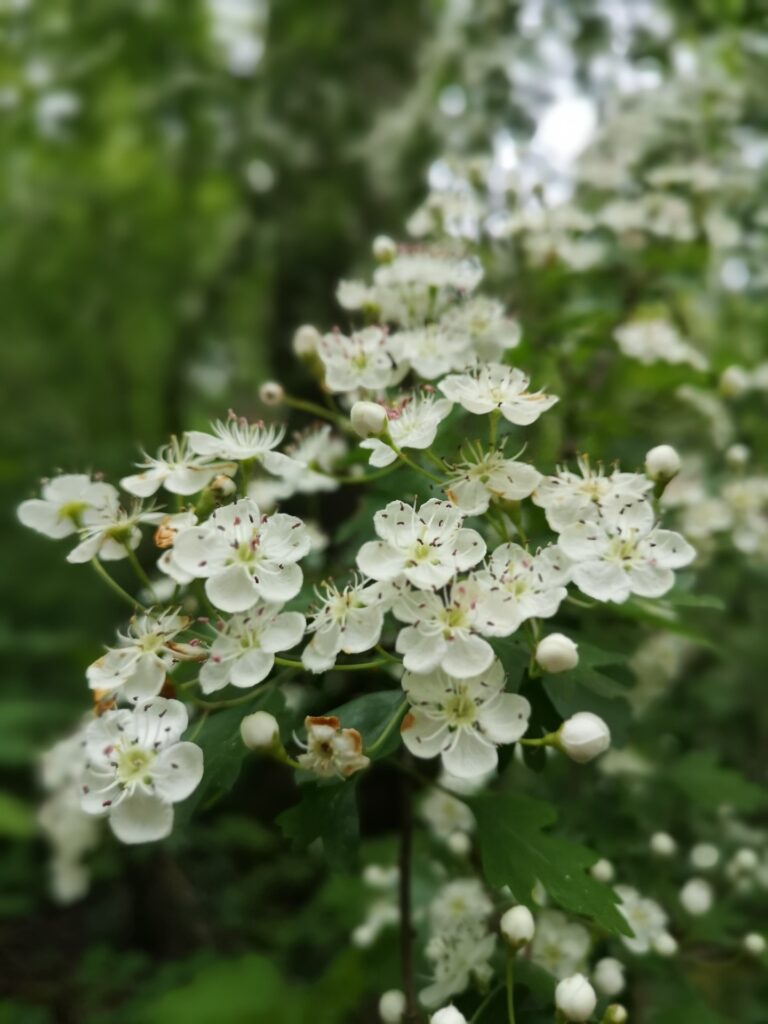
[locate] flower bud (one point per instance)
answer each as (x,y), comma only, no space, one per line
(663,845)
(734,381)
(557,653)
(384,249)
(271,393)
(603,871)
(608,976)
(696,897)
(517,927)
(459,843)
(305,341)
(368,418)
(665,944)
(448,1015)
(662,462)
(575,998)
(615,1014)
(737,455)
(584,737)
(223,486)
(392,1006)
(754,944)
(704,856)
(260,731)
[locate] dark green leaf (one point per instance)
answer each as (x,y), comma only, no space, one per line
(328,813)
(707,784)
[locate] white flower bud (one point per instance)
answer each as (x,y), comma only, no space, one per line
(384,249)
(663,845)
(459,843)
(305,341)
(584,737)
(662,462)
(696,897)
(745,859)
(608,976)
(517,927)
(603,871)
(575,998)
(368,418)
(734,381)
(754,944)
(223,485)
(704,856)
(260,731)
(665,944)
(271,393)
(737,455)
(448,1015)
(615,1014)
(557,653)
(392,1006)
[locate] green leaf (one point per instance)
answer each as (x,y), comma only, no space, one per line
(518,852)
(370,715)
(707,784)
(17,820)
(585,689)
(328,813)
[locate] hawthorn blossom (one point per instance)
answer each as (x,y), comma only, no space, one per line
(426,546)
(165,537)
(494,386)
(518,585)
(460,946)
(484,324)
(331,751)
(244,556)
(176,469)
(560,946)
(112,532)
(314,456)
(446,815)
(568,497)
(243,652)
(653,340)
(412,423)
(443,630)
(137,768)
(362,360)
(618,556)
(67,503)
(462,720)
(241,441)
(430,350)
(486,476)
(348,620)
(645,917)
(146,653)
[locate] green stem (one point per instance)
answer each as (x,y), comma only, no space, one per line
(413,465)
(511,987)
(485,1003)
(290,663)
(366,477)
(493,428)
(233,702)
(199,726)
(138,569)
(388,729)
(115,586)
(385,654)
(434,459)
(317,410)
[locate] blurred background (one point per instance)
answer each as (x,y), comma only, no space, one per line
(181,186)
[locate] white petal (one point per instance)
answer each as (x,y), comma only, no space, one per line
(199,551)
(43,517)
(143,485)
(141,819)
(204,444)
(505,720)
(279,583)
(362,629)
(467,656)
(232,590)
(468,549)
(604,581)
(470,756)
(650,580)
(421,653)
(381,454)
(422,735)
(380,560)
(583,541)
(177,771)
(284,632)
(670,549)
(85,551)
(251,668)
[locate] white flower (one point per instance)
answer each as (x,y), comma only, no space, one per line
(176,469)
(448,1015)
(656,340)
(416,286)
(463,720)
(392,1006)
(559,946)
(260,731)
(609,976)
(331,751)
(110,532)
(644,916)
(426,546)
(412,423)
(696,897)
(244,651)
(665,944)
(622,554)
(241,441)
(305,341)
(495,386)
(517,926)
(557,653)
(362,360)
(442,631)
(485,476)
(583,737)
(368,419)
(662,844)
(146,653)
(384,248)
(662,462)
(569,497)
(484,324)
(313,456)
(754,944)
(67,504)
(575,998)
(137,769)
(462,902)
(244,556)
(349,620)
(517,586)
(430,350)
(704,856)
(456,957)
(446,815)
